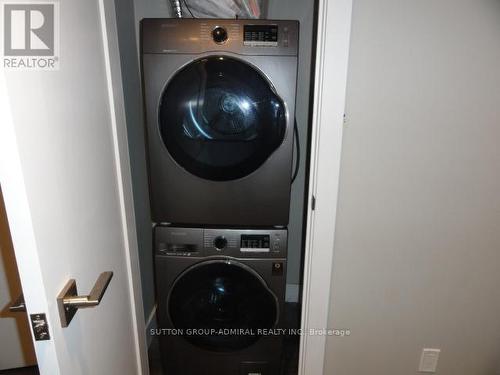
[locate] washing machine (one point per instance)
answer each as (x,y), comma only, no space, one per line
(219,104)
(221,295)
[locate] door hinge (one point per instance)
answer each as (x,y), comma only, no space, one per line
(40,327)
(313,203)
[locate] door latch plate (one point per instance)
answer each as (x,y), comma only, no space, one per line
(40,327)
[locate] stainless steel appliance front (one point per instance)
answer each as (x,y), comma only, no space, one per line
(220,102)
(216,300)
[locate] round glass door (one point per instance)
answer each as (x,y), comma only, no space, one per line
(220,305)
(221,119)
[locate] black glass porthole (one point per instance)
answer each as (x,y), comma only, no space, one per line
(220,118)
(221,306)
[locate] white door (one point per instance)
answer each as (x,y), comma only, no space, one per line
(65,177)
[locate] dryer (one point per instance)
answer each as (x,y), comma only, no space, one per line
(221,297)
(219,102)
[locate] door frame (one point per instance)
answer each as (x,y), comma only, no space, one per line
(108,19)
(332,54)
(333,34)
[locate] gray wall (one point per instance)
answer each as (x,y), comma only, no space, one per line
(135,129)
(303,12)
(150,9)
(417,253)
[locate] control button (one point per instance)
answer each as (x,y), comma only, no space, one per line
(220,243)
(162,247)
(219,34)
(277,269)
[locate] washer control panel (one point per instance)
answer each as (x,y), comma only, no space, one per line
(245,242)
(256,243)
(238,243)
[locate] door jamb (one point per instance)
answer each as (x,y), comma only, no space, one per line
(124,176)
(333,37)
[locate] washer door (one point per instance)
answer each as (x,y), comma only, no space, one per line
(220,118)
(220,305)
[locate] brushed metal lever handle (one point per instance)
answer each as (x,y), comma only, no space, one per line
(68,301)
(18,305)
(95,296)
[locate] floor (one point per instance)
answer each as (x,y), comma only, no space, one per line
(290,352)
(21,371)
(290,355)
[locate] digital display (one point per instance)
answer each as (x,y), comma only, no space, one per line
(255,241)
(260,35)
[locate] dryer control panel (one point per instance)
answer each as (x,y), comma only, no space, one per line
(196,36)
(237,243)
(260,35)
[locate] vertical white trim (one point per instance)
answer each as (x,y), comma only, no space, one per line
(124,177)
(334,26)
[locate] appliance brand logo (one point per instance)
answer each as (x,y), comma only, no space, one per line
(31,35)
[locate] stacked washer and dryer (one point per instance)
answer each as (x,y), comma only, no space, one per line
(220,101)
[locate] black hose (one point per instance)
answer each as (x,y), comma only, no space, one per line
(188,8)
(297,146)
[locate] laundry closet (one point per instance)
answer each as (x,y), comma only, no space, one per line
(218,132)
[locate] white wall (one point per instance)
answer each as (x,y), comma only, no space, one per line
(417,253)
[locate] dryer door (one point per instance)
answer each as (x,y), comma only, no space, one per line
(220,305)
(220,118)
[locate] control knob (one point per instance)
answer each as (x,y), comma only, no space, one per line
(220,242)
(219,34)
